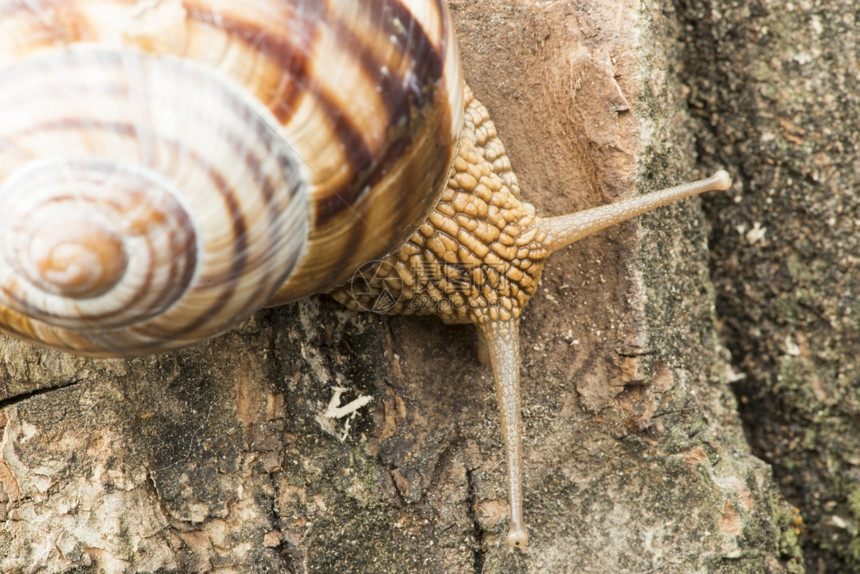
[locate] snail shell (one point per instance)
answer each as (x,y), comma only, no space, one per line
(168,168)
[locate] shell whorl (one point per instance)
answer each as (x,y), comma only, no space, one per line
(131,220)
(168,168)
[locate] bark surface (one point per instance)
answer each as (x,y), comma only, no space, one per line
(233,456)
(774,88)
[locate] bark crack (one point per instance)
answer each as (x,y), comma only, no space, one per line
(478,554)
(291,555)
(20,398)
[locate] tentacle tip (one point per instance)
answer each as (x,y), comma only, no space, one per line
(722,181)
(517,536)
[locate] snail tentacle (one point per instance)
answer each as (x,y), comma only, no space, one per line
(502,339)
(563,230)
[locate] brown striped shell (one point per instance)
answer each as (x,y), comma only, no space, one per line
(168,168)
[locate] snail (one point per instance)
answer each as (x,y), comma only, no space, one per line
(169,167)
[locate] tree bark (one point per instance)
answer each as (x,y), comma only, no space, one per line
(775,89)
(222,457)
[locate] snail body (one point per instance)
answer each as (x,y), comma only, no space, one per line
(168,168)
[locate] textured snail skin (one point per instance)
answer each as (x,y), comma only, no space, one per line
(168,168)
(478,255)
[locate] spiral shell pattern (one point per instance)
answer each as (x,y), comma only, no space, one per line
(167,168)
(123,229)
